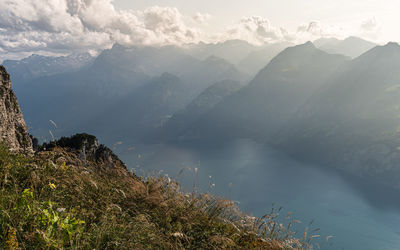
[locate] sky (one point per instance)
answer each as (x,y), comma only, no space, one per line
(59,27)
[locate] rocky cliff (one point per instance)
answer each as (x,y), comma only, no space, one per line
(13,130)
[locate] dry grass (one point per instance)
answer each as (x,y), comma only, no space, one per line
(55,200)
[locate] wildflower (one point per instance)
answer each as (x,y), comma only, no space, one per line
(12,242)
(64,166)
(52,185)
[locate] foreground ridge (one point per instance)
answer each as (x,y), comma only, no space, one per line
(77,194)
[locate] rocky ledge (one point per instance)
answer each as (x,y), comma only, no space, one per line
(13,130)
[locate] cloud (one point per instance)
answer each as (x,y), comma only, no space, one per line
(64,25)
(369,25)
(259,30)
(312,28)
(256,30)
(201,18)
(370,29)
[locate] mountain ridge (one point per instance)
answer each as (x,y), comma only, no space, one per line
(253,110)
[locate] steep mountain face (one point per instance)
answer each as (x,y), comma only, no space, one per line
(154,61)
(256,60)
(13,131)
(353,123)
(260,109)
(202,104)
(248,58)
(38,66)
(77,99)
(143,111)
(351,46)
(71,99)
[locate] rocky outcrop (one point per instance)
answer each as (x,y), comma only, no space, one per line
(13,130)
(87,148)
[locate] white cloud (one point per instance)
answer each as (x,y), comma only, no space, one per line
(315,30)
(201,18)
(259,30)
(65,25)
(256,30)
(370,29)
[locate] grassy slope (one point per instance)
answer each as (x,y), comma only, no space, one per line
(55,200)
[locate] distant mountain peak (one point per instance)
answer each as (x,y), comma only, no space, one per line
(351,46)
(308,44)
(302,49)
(350,38)
(392,44)
(216,59)
(390,50)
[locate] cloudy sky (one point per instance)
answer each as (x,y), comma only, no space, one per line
(65,26)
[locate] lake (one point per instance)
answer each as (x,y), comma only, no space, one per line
(257,176)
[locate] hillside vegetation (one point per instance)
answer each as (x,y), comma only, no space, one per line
(75,194)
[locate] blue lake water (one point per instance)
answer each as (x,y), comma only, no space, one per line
(261,176)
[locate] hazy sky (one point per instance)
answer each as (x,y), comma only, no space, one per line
(65,26)
(381,17)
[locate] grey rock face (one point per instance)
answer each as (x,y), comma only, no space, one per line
(13,130)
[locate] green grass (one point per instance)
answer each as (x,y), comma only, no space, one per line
(53,200)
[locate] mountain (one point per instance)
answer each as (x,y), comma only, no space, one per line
(246,57)
(76,99)
(199,106)
(231,50)
(71,99)
(262,107)
(37,65)
(144,110)
(353,122)
(326,42)
(257,59)
(351,46)
(154,61)
(13,130)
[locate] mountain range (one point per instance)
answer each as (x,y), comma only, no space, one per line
(259,109)
(334,102)
(37,65)
(353,121)
(117,77)
(351,46)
